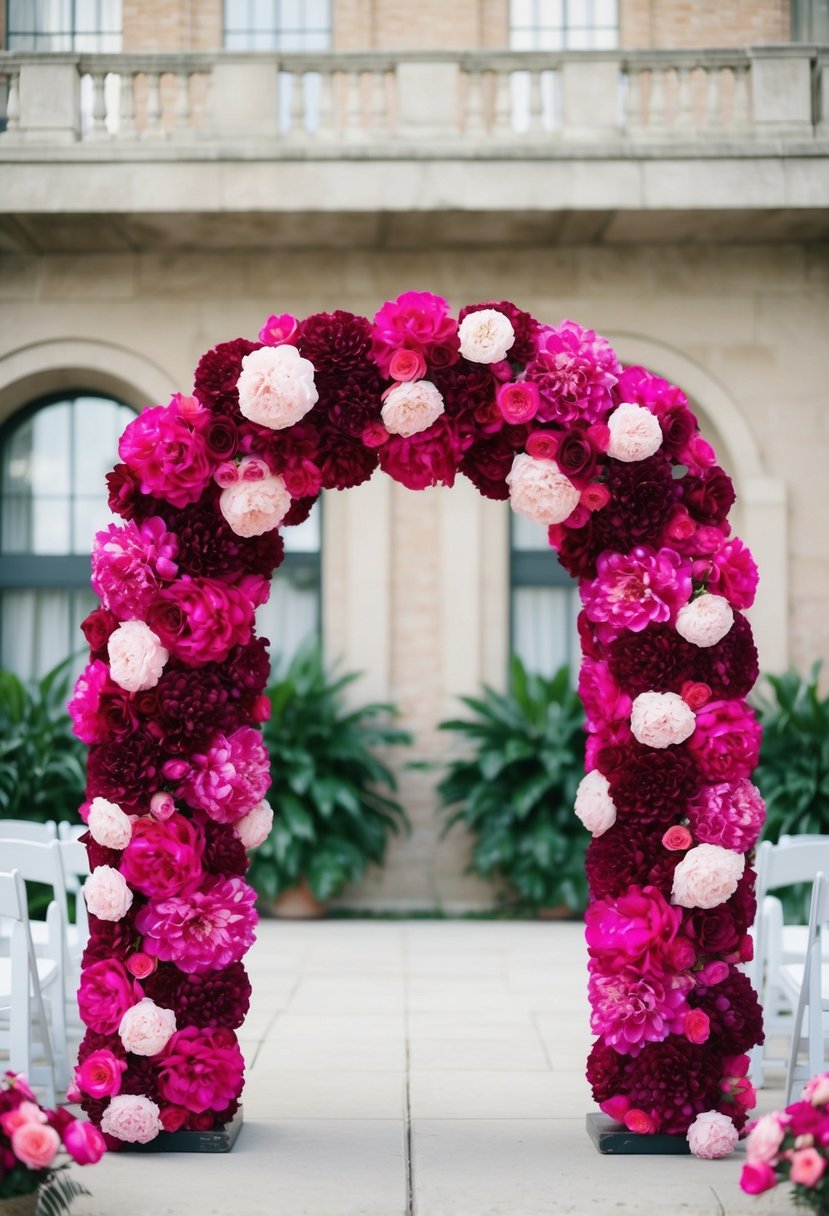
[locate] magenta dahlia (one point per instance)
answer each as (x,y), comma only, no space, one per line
(729,814)
(633,589)
(202,931)
(130,563)
(201,1069)
(630,1009)
(635,929)
(575,370)
(230,777)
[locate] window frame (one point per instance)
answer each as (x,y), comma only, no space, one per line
(276,31)
(566,28)
(533,568)
(71,34)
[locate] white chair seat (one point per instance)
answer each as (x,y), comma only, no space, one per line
(47,971)
(40,935)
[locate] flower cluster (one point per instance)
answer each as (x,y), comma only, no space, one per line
(611,462)
(791,1146)
(31,1138)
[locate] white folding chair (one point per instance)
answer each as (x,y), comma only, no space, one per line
(28,829)
(69,831)
(23,977)
(792,860)
(41,863)
(75,864)
(807,984)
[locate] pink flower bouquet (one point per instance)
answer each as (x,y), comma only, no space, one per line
(792,1145)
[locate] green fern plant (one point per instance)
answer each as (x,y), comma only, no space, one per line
(515,791)
(56,1196)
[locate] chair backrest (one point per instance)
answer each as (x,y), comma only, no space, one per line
(36,863)
(75,863)
(795,861)
(28,829)
(13,904)
(70,831)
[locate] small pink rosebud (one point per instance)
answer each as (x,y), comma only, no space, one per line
(518,401)
(640,1122)
(700,569)
(374,435)
(697,1026)
(260,711)
(141,965)
(578,517)
(681,526)
(698,453)
(173,1118)
(616,1107)
(227,474)
(677,839)
(253,469)
(695,694)
(713,973)
(542,445)
(708,539)
(73,1093)
(502,370)
(599,436)
(407,365)
(595,496)
(187,407)
(278,330)
(682,954)
(162,805)
(174,770)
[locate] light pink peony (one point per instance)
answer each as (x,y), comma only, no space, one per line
(146,1028)
(276,387)
(108,824)
(255,507)
(540,491)
(229,778)
(131,1118)
(661,719)
(765,1138)
(816,1091)
(707,876)
(730,814)
(594,805)
(25,1112)
(635,433)
(136,656)
(411,407)
(35,1144)
(712,1135)
(705,620)
(106,893)
(485,336)
(255,827)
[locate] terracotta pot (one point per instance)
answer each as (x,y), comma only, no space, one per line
(298,903)
(559,912)
(19,1205)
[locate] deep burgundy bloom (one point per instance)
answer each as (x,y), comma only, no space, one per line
(100,855)
(672,1082)
(605,1069)
(524,325)
(162,986)
(224,852)
(655,660)
(651,785)
(209,548)
(300,510)
(429,458)
(97,629)
(731,667)
(125,497)
(344,462)
(219,998)
(221,437)
(141,1077)
(353,403)
(486,464)
(124,772)
(643,495)
(110,939)
(338,344)
(469,397)
(708,497)
(714,931)
(578,548)
(217,374)
(734,1012)
(623,856)
(190,706)
(248,668)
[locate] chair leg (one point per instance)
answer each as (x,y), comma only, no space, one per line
(797,1027)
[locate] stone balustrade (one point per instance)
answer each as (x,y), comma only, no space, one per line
(328,104)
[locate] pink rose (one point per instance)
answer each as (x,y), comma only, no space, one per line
(757,1176)
(542,445)
(726,742)
(106,992)
(661,719)
(594,805)
(411,408)
(108,824)
(734,573)
(106,893)
(146,1028)
(278,330)
(697,1029)
(712,1135)
(594,496)
(141,965)
(255,507)
(807,1167)
(639,1122)
(254,828)
(407,365)
(764,1139)
(707,876)
(695,694)
(163,857)
(136,656)
(162,805)
(635,433)
(35,1144)
(705,621)
(131,1118)
(540,491)
(276,387)
(636,928)
(100,1074)
(518,401)
(485,336)
(25,1112)
(677,839)
(83,1142)
(167,454)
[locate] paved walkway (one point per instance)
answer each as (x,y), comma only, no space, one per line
(421,1068)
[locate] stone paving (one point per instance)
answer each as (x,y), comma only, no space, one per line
(418,1068)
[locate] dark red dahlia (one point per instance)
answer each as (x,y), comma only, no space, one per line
(344,462)
(300,510)
(578,548)
(338,344)
(525,326)
(221,437)
(217,998)
(672,1082)
(731,667)
(94,1041)
(351,404)
(652,787)
(655,660)
(429,458)
(125,498)
(217,374)
(209,548)
(191,706)
(486,464)
(162,985)
(643,495)
(248,668)
(124,772)
(469,391)
(708,497)
(605,1071)
(621,857)
(734,1013)
(141,1077)
(224,852)
(99,854)
(111,939)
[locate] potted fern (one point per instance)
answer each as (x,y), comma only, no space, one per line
(515,784)
(332,795)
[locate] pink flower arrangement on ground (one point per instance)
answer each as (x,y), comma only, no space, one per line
(791,1146)
(611,461)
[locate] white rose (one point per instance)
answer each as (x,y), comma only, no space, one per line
(707,876)
(108,824)
(411,407)
(136,656)
(254,507)
(276,386)
(254,828)
(485,336)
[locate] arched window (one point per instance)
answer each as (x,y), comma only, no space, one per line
(544,602)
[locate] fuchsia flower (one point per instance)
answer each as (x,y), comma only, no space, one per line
(167,455)
(162,857)
(201,620)
(130,562)
(635,929)
(105,994)
(230,778)
(203,931)
(201,1069)
(100,1074)
(575,370)
(734,574)
(726,741)
(633,589)
(418,321)
(277,330)
(629,1009)
(730,814)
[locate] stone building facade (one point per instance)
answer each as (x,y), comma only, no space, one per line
(668,187)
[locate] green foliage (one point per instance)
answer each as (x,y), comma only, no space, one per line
(516,791)
(58,1195)
(41,762)
(793,773)
(330,792)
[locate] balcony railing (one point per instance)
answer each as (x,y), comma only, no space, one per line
(351,104)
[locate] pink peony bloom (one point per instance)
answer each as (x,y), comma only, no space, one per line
(407,365)
(254,828)
(729,814)
(255,507)
(594,805)
(677,839)
(85,703)
(24,1112)
(276,387)
(756,1177)
(765,1138)
(635,929)
(635,433)
(100,1074)
(518,401)
(816,1091)
(575,370)
(35,1144)
(416,320)
(163,857)
(202,1069)
(707,876)
(108,824)
(83,1142)
(808,1166)
(485,336)
(705,620)
(136,656)
(106,893)
(540,491)
(277,330)
(712,1135)
(633,589)
(201,620)
(146,1028)
(167,454)
(734,574)
(229,778)
(601,696)
(726,742)
(131,1118)
(130,562)
(106,992)
(629,1009)
(411,407)
(203,931)
(661,719)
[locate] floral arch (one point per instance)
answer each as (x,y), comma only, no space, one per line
(611,460)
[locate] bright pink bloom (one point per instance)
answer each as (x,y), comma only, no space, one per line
(201,1069)
(277,330)
(84,707)
(24,1112)
(734,574)
(407,365)
(697,1026)
(634,930)
(203,931)
(575,370)
(757,1176)
(416,320)
(601,696)
(542,445)
(83,1142)
(629,1009)
(35,1144)
(518,401)
(168,456)
(640,1122)
(106,993)
(633,589)
(726,742)
(808,1167)
(162,858)
(141,965)
(230,778)
(201,620)
(730,814)
(100,1074)
(677,838)
(130,562)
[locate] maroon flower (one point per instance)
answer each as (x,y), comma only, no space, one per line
(126,772)
(605,1070)
(655,660)
(219,998)
(708,497)
(428,459)
(97,629)
(224,852)
(338,344)
(731,667)
(248,668)
(623,856)
(190,706)
(221,437)
(343,461)
(734,1013)
(217,374)
(209,548)
(576,456)
(110,939)
(486,464)
(673,1082)
(141,1077)
(651,785)
(125,497)
(642,499)
(352,404)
